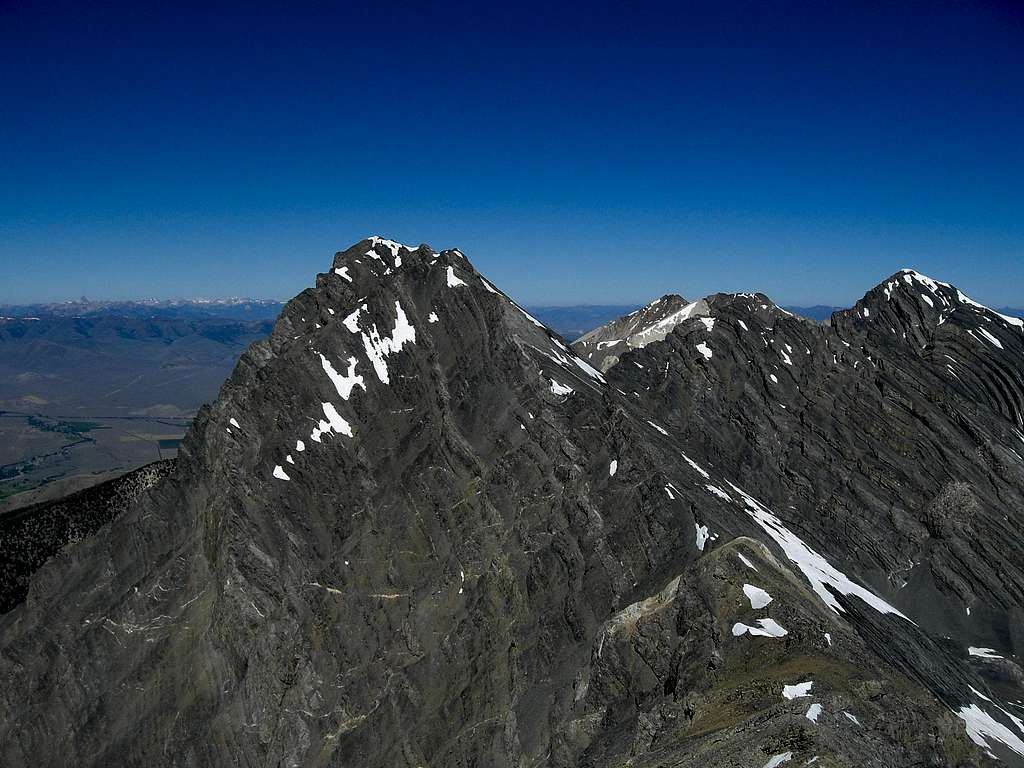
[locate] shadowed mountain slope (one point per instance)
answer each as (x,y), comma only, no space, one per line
(416,529)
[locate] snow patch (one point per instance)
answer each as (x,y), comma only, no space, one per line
(818,571)
(391,245)
(778,760)
(567,357)
(334,423)
(758,597)
(663,327)
(985,653)
(352,321)
(718,492)
(378,347)
(990,337)
(981,727)
(344,384)
(561,389)
(453,279)
(695,466)
(768,628)
(797,691)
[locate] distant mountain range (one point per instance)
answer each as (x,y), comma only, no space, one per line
(234,308)
(575,320)
(570,321)
(819,312)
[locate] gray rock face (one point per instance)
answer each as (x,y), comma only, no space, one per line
(416,529)
(603,346)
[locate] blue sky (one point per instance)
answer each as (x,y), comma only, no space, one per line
(590,153)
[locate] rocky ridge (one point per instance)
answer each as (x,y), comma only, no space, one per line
(416,528)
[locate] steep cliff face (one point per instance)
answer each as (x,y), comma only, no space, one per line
(416,529)
(32,534)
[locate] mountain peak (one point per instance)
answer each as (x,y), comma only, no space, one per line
(604,345)
(913,305)
(387,254)
(377,334)
(414,512)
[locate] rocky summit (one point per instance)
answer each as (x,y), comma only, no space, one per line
(605,345)
(416,528)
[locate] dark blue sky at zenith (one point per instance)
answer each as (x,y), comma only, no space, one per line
(582,153)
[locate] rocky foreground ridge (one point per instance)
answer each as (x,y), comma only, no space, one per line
(418,529)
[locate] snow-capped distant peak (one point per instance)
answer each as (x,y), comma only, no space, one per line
(603,346)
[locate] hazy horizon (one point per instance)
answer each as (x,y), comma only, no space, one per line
(214,297)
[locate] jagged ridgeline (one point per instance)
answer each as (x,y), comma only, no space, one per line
(418,529)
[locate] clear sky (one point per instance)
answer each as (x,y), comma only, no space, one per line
(588,153)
